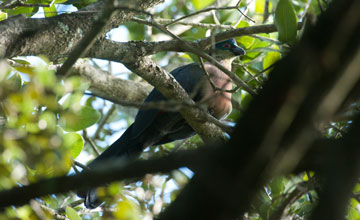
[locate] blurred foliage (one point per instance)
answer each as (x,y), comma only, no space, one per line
(33,145)
(42,116)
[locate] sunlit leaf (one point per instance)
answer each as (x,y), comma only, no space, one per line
(25,69)
(259,6)
(45,76)
(357,188)
(3,15)
(74,142)
(27,11)
(127,210)
(72,101)
(269,59)
(353,211)
(59,1)
(71,213)
(286,22)
(257,44)
(114,188)
(76,83)
(50,11)
(245,41)
(19,61)
(90,100)
(79,120)
(200,4)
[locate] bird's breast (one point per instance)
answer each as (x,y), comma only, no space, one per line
(219,102)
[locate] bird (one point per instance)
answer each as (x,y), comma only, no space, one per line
(155,127)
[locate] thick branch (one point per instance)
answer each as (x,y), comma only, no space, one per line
(123,51)
(55,37)
(111,87)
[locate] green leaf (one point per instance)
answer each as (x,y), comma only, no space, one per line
(50,11)
(356,188)
(79,120)
(76,83)
(269,59)
(14,82)
(259,6)
(246,41)
(24,62)
(74,142)
(27,11)
(47,120)
(286,22)
(277,186)
(257,44)
(59,1)
(3,15)
(353,212)
(71,213)
(45,76)
(200,4)
(245,100)
(127,210)
(73,100)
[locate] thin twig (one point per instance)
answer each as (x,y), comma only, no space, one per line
(179,145)
(250,19)
(306,8)
(202,25)
(272,41)
(266,11)
(252,75)
(81,165)
(215,88)
(104,120)
(258,74)
(75,169)
(199,12)
(207,74)
(91,142)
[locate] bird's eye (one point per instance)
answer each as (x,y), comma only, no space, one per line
(227,45)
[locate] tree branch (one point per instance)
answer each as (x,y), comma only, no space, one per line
(55,37)
(106,173)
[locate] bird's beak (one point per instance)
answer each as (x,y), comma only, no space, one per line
(238,51)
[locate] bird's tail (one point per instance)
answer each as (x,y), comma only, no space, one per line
(125,148)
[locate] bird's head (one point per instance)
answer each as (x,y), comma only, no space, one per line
(227,49)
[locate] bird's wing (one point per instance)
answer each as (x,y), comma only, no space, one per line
(188,76)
